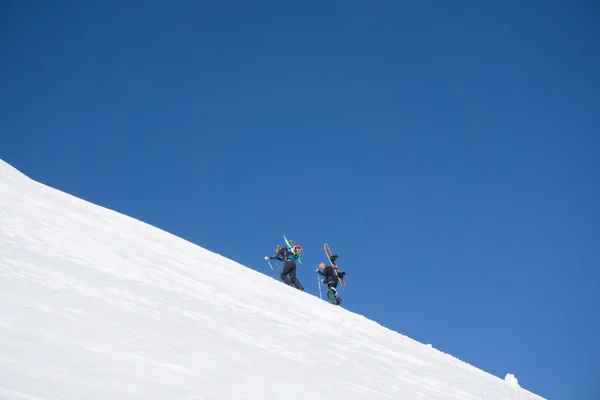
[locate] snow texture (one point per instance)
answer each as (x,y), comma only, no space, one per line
(96,305)
(511,380)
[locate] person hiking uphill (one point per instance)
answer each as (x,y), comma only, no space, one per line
(331,280)
(288,258)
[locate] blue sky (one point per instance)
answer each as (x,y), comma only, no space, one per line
(447,151)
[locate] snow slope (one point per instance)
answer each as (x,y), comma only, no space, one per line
(96,305)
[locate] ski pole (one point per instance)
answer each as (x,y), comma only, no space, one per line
(272,269)
(319,284)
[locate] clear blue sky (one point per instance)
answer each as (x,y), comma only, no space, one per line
(447,151)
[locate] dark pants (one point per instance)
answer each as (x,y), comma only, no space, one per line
(332,292)
(332,283)
(290,268)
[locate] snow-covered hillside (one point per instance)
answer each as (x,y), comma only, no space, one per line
(96,305)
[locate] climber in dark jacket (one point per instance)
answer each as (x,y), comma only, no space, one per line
(331,280)
(288,258)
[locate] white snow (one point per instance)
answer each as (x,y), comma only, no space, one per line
(511,380)
(97,305)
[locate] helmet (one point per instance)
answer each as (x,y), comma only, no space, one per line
(298,246)
(291,242)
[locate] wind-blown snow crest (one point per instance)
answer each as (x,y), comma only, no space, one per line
(97,305)
(511,380)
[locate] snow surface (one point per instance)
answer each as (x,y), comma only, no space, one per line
(511,380)
(97,305)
